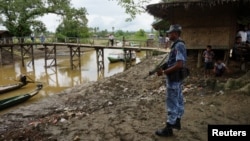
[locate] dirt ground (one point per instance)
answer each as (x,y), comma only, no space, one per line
(127,107)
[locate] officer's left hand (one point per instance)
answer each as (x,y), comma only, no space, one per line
(160,72)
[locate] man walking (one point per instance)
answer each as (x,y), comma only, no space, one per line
(111,39)
(174,97)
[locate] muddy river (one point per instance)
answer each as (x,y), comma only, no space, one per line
(58,78)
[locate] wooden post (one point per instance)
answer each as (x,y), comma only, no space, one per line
(199,59)
(75,53)
(55,54)
(45,55)
(32,55)
(128,58)
(123,41)
(100,62)
(1,50)
(226,56)
(22,54)
(12,53)
(50,54)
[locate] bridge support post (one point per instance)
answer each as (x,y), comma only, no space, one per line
(50,54)
(27,51)
(100,62)
(128,58)
(75,56)
(51,76)
(149,53)
(1,59)
(9,49)
(199,59)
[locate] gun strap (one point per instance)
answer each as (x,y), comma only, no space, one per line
(164,59)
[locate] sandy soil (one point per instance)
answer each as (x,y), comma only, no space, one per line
(127,107)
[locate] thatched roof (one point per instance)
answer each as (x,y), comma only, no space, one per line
(161,10)
(161,25)
(5,33)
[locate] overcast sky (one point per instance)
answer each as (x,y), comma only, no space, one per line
(105,14)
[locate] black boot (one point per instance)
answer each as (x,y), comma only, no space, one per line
(177,124)
(165,132)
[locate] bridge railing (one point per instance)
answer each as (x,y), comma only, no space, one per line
(91,41)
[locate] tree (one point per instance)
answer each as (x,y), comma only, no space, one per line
(103,33)
(74,24)
(119,33)
(19,16)
(133,7)
(140,33)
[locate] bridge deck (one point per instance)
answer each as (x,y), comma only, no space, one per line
(87,46)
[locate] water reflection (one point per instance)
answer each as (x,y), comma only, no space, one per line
(61,77)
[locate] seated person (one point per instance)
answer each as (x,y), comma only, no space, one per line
(219,68)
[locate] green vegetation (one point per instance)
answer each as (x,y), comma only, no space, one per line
(21,18)
(133,7)
(74,25)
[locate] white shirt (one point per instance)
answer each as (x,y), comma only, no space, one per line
(243,35)
(167,39)
(220,66)
(111,37)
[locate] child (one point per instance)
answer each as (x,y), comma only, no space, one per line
(219,68)
(208,55)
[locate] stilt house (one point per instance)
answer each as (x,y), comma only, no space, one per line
(205,22)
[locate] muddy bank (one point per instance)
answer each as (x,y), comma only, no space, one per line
(129,108)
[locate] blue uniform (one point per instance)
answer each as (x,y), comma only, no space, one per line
(174,96)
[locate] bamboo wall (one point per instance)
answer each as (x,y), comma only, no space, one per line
(206,26)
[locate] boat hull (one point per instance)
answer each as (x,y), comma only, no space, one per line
(12,101)
(118,57)
(113,60)
(8,88)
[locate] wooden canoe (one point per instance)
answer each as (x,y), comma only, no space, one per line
(10,87)
(120,56)
(22,82)
(12,101)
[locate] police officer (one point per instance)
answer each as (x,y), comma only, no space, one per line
(174,97)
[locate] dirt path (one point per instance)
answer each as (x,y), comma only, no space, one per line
(126,107)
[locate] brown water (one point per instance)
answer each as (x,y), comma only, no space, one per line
(56,79)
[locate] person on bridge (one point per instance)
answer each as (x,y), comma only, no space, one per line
(32,37)
(111,39)
(174,97)
(42,38)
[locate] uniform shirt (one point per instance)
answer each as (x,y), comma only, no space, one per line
(178,52)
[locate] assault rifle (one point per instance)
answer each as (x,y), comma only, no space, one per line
(162,65)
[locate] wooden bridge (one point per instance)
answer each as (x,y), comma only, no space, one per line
(50,49)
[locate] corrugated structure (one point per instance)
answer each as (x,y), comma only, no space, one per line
(205,22)
(5,37)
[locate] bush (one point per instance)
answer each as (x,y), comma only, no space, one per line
(60,38)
